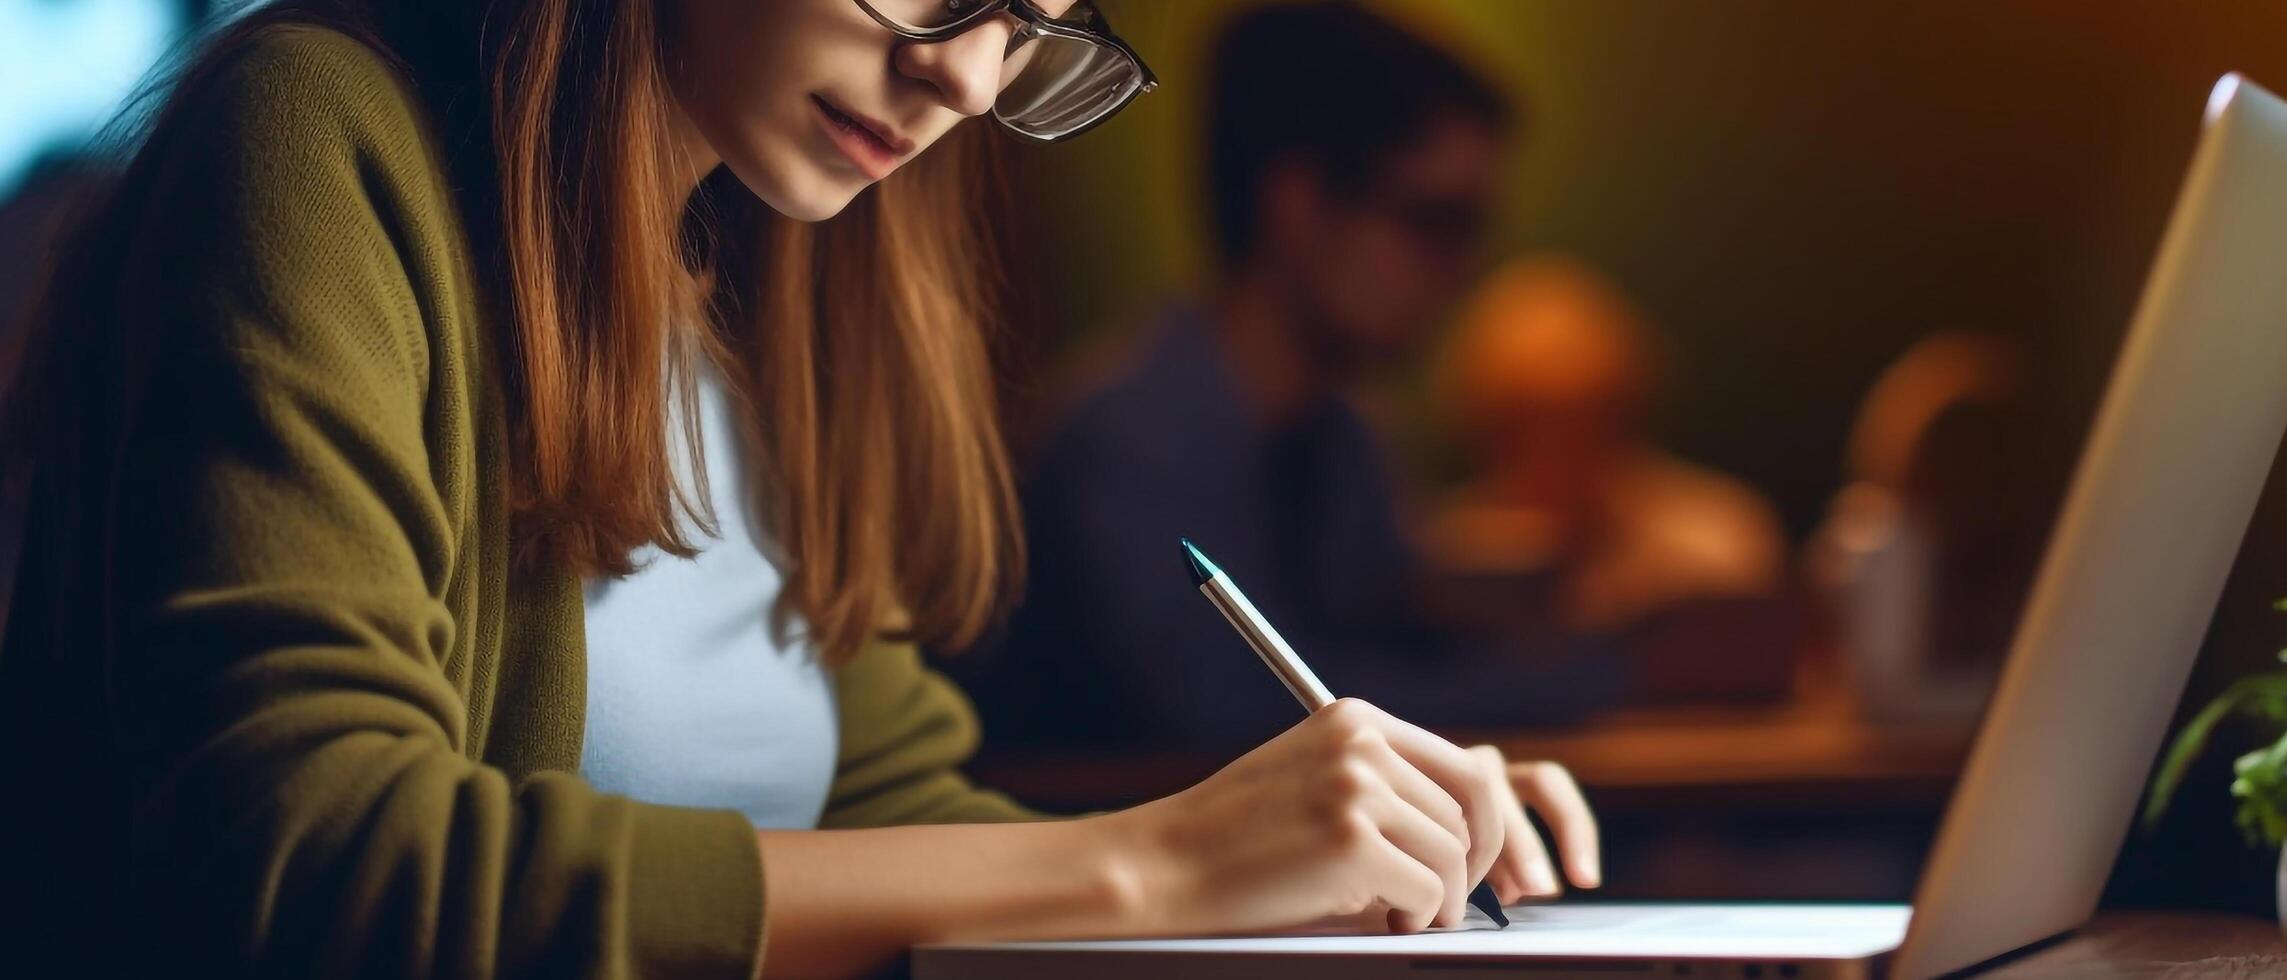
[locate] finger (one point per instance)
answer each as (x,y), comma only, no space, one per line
(1430,844)
(1419,790)
(1523,867)
(1550,790)
(1455,771)
(1526,857)
(1413,893)
(1506,885)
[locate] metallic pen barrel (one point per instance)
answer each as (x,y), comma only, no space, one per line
(1267,644)
(1287,666)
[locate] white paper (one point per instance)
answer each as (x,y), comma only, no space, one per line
(1763,930)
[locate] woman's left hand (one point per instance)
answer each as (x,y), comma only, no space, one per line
(1523,869)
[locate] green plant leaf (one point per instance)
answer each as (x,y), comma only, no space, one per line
(2260,784)
(2262,693)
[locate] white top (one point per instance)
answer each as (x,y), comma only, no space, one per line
(693,699)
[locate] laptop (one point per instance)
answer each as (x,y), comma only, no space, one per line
(2166,484)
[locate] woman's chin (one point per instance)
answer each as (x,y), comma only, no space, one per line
(809,197)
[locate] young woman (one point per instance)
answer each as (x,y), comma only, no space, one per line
(494,464)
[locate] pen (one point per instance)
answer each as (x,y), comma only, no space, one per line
(1291,671)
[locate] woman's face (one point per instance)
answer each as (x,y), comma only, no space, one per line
(810,101)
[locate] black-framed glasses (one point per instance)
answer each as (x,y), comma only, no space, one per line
(1061,74)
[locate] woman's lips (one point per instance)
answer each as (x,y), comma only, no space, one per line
(867,144)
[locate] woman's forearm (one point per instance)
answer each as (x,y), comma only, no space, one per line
(844,901)
(1351,816)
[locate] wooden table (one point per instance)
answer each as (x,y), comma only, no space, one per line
(2175,945)
(1820,747)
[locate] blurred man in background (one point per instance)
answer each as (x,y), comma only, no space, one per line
(1546,383)
(1352,170)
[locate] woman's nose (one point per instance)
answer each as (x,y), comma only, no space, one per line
(965,70)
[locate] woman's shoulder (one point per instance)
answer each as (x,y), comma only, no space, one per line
(288,205)
(296,169)
(285,90)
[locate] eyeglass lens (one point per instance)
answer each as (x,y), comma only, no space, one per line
(1054,85)
(1051,85)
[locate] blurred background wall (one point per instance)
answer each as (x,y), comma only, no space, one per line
(1794,192)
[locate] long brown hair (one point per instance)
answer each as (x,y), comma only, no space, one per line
(858,344)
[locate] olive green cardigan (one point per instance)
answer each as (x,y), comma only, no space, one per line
(275,702)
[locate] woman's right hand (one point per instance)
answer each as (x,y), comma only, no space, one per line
(1350,815)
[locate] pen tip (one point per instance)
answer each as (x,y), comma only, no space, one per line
(1196,563)
(1482,898)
